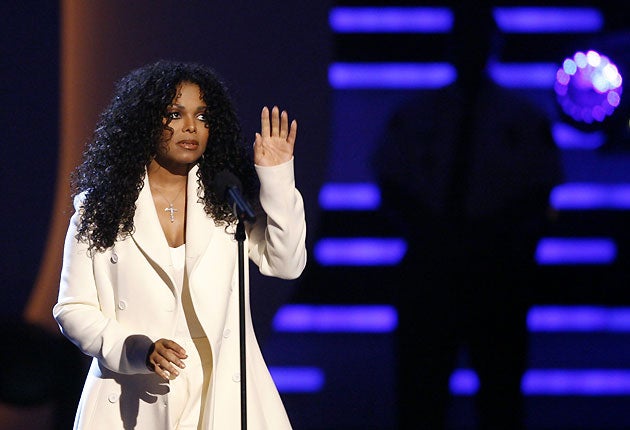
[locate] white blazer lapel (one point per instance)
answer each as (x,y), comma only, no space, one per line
(199,225)
(148,233)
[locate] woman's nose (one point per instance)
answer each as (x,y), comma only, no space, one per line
(189,125)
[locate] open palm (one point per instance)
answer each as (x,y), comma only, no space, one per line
(276,140)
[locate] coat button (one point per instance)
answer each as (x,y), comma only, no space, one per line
(236,377)
(226,333)
(114,258)
(122,305)
(113,398)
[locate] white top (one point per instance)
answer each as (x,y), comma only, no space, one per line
(187,327)
(178,257)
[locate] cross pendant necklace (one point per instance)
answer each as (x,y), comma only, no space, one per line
(171,209)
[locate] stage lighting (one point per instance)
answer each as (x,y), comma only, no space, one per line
(588,87)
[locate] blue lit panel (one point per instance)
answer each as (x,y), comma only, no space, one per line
(569,251)
(569,196)
(578,319)
(464,382)
(349,196)
(336,319)
(587,382)
(297,379)
(305,318)
(390,75)
(587,196)
(567,137)
(554,382)
(440,19)
(548,19)
(434,75)
(360,251)
(523,75)
(391,20)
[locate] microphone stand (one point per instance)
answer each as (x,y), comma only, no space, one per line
(240,237)
(243,212)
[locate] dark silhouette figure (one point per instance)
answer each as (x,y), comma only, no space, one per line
(467,171)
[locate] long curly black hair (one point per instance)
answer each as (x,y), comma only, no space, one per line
(127,136)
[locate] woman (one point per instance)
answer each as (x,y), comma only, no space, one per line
(149,284)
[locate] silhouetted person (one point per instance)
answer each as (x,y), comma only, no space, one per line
(467,171)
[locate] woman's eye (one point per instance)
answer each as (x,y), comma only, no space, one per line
(173,115)
(202,117)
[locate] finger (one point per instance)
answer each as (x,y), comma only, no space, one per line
(156,367)
(167,352)
(166,371)
(275,121)
(164,365)
(292,133)
(171,371)
(264,122)
(284,124)
(175,348)
(172,358)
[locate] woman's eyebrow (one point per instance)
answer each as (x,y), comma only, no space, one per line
(178,106)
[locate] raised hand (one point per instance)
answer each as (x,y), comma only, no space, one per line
(276,140)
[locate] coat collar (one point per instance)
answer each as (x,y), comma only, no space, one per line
(199,225)
(148,233)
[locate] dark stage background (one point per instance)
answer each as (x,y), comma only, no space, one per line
(60,60)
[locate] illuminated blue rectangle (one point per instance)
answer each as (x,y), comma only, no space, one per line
(524,75)
(297,379)
(434,75)
(336,319)
(363,251)
(578,319)
(554,382)
(589,196)
(548,19)
(349,196)
(305,318)
(464,382)
(567,137)
(569,196)
(390,75)
(570,251)
(390,19)
(587,382)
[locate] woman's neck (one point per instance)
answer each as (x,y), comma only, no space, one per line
(165,177)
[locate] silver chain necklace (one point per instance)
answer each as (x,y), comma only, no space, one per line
(171,209)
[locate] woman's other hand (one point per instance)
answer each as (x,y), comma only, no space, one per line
(274,144)
(164,357)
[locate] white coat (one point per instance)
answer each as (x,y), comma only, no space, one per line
(115,303)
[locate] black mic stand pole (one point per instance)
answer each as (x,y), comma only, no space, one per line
(243,212)
(240,237)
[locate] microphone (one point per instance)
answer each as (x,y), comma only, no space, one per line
(228,187)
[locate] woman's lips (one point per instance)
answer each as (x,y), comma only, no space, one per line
(188,144)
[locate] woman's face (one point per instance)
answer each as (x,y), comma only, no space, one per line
(187,117)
